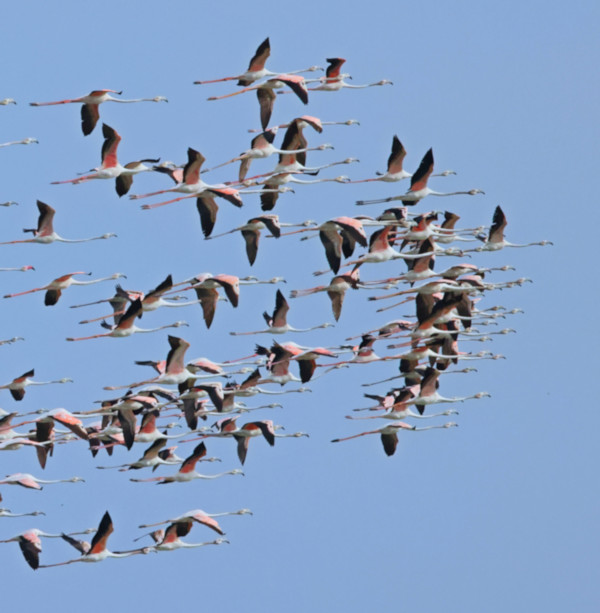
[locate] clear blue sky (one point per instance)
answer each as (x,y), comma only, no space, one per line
(498,514)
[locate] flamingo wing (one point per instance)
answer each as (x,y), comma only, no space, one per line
(105,529)
(258,60)
(266,99)
(191,171)
(109,148)
(396,159)
(31,547)
(251,237)
(45,219)
(90,113)
(421,176)
(208,209)
(335,65)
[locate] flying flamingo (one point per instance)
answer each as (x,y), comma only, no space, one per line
(389,434)
(21,269)
(175,371)
(270,193)
(261,146)
(31,544)
(336,290)
(495,239)
(277,322)
(126,325)
(428,393)
(55,288)
(97,550)
(23,141)
(206,285)
(338,235)
(418,186)
(315,122)
(17,386)
(9,513)
(380,250)
(242,435)
(33,483)
(150,458)
(187,471)
(45,234)
(251,232)
(90,112)
(192,185)
(256,68)
(7,101)
(279,357)
(170,539)
(395,171)
(265,92)
(110,167)
(400,410)
(151,301)
(333,80)
(201,517)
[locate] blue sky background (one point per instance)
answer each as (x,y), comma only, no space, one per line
(498,514)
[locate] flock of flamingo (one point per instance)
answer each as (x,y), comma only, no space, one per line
(449,308)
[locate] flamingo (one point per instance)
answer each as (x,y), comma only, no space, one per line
(315,122)
(270,193)
(281,354)
(333,80)
(23,141)
(249,430)
(20,269)
(256,68)
(338,235)
(206,285)
(251,232)
(266,93)
(389,434)
(18,384)
(187,472)
(97,550)
(33,483)
(90,112)
(192,185)
(399,408)
(418,186)
(110,167)
(277,322)
(151,301)
(336,290)
(428,393)
(170,539)
(495,239)
(45,234)
(7,101)
(380,250)
(175,371)
(395,171)
(261,146)
(201,517)
(126,325)
(31,544)
(150,458)
(9,513)
(55,288)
